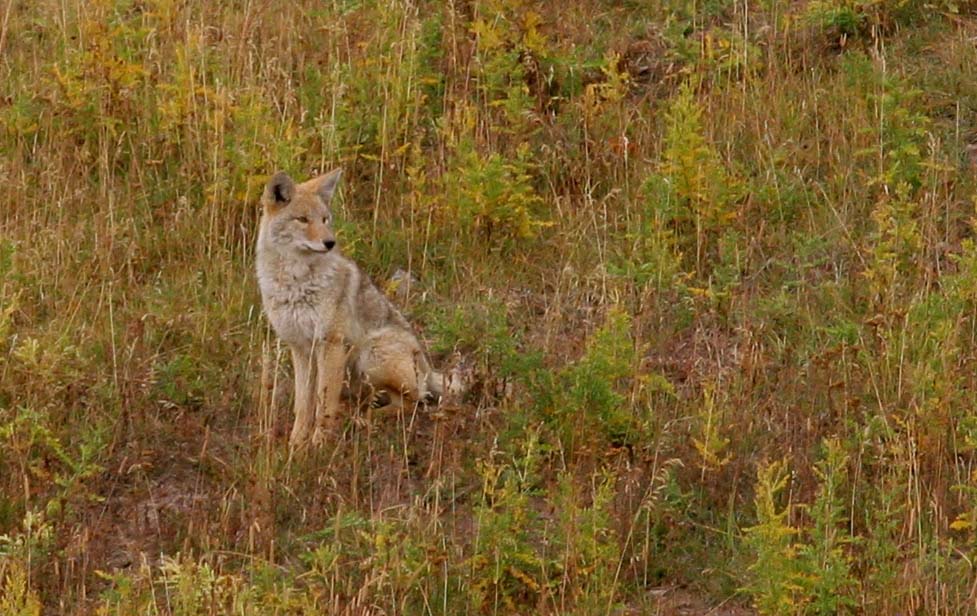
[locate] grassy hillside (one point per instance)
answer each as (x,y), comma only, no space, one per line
(710,265)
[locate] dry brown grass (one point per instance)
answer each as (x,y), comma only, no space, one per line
(677,243)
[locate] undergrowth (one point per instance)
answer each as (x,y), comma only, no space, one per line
(709,268)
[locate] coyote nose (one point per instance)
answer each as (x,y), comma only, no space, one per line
(329,244)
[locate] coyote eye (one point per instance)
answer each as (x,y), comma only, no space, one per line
(302,219)
(324,219)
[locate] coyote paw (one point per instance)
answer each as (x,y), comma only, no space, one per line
(321,436)
(325,431)
(381,400)
(298,440)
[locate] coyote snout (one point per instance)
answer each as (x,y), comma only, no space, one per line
(327,311)
(325,246)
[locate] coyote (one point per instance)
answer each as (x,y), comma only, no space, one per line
(329,313)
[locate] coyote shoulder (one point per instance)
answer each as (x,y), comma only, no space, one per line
(328,312)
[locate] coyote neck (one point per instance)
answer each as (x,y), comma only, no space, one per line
(307,300)
(302,297)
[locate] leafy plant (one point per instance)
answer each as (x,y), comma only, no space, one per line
(594,396)
(491,198)
(703,194)
(16,596)
(710,444)
(506,568)
(776,580)
(589,546)
(828,579)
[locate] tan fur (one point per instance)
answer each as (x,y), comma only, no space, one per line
(391,360)
(327,311)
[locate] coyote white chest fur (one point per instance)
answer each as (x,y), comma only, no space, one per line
(328,312)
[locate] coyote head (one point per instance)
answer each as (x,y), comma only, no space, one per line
(297,216)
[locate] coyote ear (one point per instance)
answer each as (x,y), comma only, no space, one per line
(325,185)
(279,191)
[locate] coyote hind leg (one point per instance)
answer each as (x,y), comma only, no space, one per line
(394,381)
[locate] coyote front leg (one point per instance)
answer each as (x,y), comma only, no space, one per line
(330,369)
(304,399)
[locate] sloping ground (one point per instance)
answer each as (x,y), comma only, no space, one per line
(710,267)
